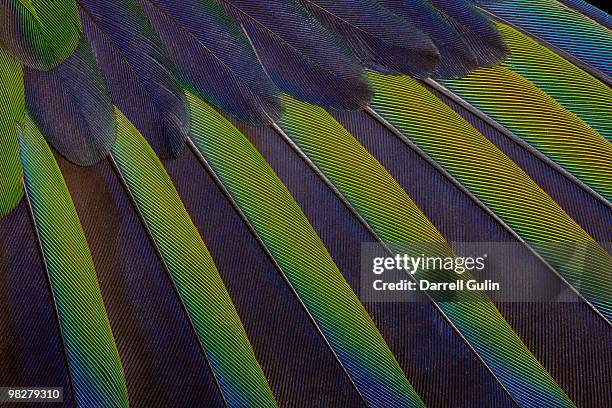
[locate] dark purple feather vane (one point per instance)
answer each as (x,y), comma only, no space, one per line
(380,39)
(300,55)
(456,56)
(478,31)
(214,59)
(138,72)
(72,107)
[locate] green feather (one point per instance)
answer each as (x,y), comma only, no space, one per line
(192,270)
(93,360)
(12,105)
(302,257)
(40,33)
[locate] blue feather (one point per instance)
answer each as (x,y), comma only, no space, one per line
(478,31)
(301,56)
(213,58)
(590,11)
(72,107)
(378,38)
(457,58)
(138,73)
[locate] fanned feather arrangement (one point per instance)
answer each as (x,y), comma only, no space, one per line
(197,184)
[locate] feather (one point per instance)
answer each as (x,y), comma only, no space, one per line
(12,108)
(456,56)
(72,107)
(213,58)
(377,37)
(559,26)
(302,258)
(40,34)
(93,360)
(192,270)
(477,30)
(571,87)
(498,183)
(537,119)
(373,193)
(138,72)
(301,57)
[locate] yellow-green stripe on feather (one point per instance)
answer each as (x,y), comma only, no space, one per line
(192,270)
(396,219)
(498,183)
(302,257)
(12,108)
(94,364)
(538,119)
(577,91)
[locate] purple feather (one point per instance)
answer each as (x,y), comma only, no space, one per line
(379,38)
(478,31)
(300,55)
(214,59)
(72,107)
(138,72)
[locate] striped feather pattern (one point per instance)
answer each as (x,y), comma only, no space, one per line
(39,33)
(571,87)
(12,105)
(419,337)
(156,343)
(95,367)
(588,211)
(379,199)
(460,219)
(501,185)
(303,259)
(560,26)
(297,362)
(539,120)
(192,269)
